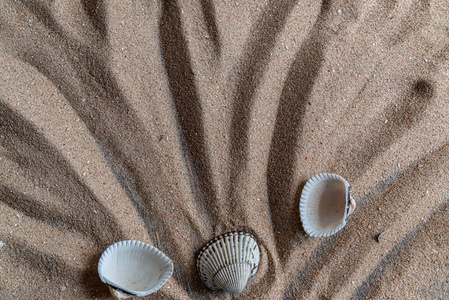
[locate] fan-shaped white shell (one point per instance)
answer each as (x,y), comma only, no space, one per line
(135,268)
(325,204)
(228,261)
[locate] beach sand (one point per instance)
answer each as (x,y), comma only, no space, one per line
(174,122)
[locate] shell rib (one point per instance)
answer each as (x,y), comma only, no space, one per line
(133,268)
(325,204)
(228,261)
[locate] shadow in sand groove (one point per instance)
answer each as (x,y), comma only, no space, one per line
(287,132)
(57,269)
(95,11)
(46,167)
(356,157)
(208,9)
(186,99)
(252,66)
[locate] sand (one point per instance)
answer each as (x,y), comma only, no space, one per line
(174,122)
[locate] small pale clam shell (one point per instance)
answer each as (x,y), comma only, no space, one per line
(134,268)
(325,204)
(228,261)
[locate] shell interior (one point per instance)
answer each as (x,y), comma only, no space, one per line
(228,261)
(324,204)
(134,267)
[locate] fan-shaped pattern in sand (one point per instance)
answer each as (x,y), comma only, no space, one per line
(171,122)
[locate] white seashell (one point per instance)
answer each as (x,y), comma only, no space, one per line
(325,204)
(133,268)
(228,261)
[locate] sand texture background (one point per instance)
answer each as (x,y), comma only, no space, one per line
(172,122)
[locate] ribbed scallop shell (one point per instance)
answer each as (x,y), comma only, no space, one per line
(228,261)
(134,268)
(325,204)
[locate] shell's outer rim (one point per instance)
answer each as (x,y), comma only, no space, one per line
(167,272)
(310,184)
(254,267)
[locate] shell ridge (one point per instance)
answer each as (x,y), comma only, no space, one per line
(228,261)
